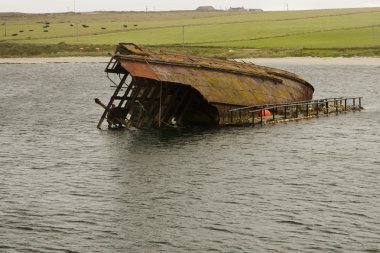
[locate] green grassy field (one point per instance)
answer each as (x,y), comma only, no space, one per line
(340,32)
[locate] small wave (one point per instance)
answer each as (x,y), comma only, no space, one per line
(5,247)
(291,222)
(332,232)
(82,222)
(173,192)
(161,242)
(219,229)
(24,228)
(372,250)
(160,198)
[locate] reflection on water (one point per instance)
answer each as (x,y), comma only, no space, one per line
(310,186)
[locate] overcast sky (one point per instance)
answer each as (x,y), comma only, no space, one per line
(41,6)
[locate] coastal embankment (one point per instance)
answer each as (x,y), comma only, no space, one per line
(261,61)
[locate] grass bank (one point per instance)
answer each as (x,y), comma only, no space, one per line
(64,50)
(322,33)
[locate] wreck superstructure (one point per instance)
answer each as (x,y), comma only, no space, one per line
(163,89)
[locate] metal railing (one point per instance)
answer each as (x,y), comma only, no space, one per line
(284,112)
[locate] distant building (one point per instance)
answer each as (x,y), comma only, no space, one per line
(205,8)
(237,9)
(256,10)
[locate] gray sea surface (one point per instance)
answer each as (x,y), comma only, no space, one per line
(65,186)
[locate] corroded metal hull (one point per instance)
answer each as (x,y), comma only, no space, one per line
(169,89)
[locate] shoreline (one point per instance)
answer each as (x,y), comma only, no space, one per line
(370,61)
(48,60)
(284,60)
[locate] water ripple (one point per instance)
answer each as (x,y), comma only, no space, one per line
(310,186)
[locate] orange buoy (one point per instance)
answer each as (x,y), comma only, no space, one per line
(264,113)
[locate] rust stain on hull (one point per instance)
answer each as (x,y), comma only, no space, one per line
(172,89)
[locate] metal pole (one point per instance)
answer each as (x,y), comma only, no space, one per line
(183,36)
(253,119)
(327,108)
(261,115)
(77,31)
(76,21)
(353,103)
(160,108)
(373,36)
(360,103)
(307,109)
(5,27)
(336,106)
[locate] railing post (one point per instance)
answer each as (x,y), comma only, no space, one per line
(317,108)
(327,108)
(336,105)
(240,119)
(360,103)
(253,119)
(345,104)
(261,116)
(353,104)
(307,110)
(285,111)
(296,111)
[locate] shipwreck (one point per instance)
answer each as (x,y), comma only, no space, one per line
(166,89)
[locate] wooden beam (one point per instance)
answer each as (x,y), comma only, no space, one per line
(147,89)
(167,114)
(189,100)
(126,93)
(111,101)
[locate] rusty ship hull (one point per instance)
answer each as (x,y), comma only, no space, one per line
(164,89)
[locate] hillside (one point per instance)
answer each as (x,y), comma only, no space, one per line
(339,32)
